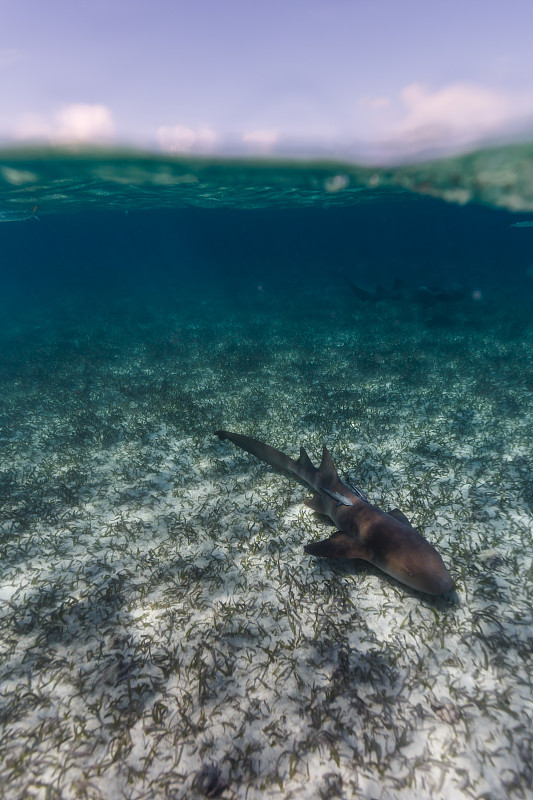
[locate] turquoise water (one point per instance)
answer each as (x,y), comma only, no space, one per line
(163,632)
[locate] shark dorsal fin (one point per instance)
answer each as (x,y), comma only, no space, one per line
(304,460)
(327,467)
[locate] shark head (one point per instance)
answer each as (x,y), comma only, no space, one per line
(416,564)
(396,549)
(435,581)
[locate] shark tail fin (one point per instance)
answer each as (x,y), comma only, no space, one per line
(263,451)
(362,294)
(303,467)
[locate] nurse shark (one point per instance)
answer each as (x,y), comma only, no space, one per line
(386,540)
(17,216)
(425,295)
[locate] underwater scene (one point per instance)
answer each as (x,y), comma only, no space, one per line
(187,614)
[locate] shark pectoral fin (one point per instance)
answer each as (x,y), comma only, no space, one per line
(400,516)
(339,545)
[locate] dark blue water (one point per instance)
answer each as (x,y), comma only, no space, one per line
(228,250)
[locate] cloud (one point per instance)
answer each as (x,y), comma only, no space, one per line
(181,139)
(457,113)
(264,138)
(460,106)
(82,122)
(76,123)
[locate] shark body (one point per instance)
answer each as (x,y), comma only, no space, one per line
(386,540)
(424,295)
(18,216)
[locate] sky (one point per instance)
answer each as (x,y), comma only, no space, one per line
(336,76)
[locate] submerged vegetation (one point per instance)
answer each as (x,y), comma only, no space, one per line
(163,633)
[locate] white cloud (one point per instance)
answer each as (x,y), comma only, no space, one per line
(456,114)
(181,139)
(77,123)
(458,105)
(261,141)
(262,137)
(82,122)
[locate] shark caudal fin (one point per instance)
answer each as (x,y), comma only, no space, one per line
(362,294)
(302,466)
(262,451)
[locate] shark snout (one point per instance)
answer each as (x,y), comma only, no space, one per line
(434,579)
(440,584)
(431,583)
(422,569)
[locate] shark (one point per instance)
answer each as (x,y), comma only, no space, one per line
(364,531)
(18,216)
(422,294)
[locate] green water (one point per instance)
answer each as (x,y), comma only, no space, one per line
(59,181)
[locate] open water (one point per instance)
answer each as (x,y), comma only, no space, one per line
(163,634)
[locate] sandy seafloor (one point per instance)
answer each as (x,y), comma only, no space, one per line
(163,633)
